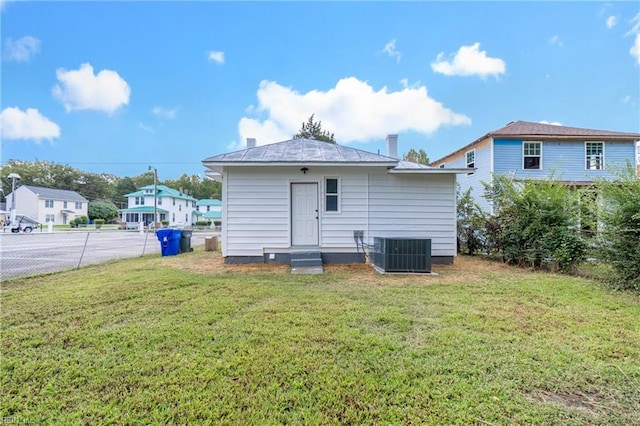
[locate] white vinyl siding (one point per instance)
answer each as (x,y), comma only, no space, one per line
(257,210)
(414,206)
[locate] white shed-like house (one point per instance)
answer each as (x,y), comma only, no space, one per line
(306,194)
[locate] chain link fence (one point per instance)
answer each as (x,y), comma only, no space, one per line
(37,253)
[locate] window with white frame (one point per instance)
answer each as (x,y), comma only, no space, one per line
(78,206)
(64,204)
(441,166)
(139,201)
(471,160)
(594,155)
(50,218)
(331,194)
(531,155)
(48,204)
(159,201)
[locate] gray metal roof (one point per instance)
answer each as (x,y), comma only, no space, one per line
(55,194)
(298,151)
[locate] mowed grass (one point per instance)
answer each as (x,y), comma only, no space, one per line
(188,340)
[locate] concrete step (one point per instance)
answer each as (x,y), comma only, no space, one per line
(306,262)
(299,255)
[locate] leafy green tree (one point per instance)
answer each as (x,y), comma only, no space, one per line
(313,130)
(414,156)
(102,209)
(123,186)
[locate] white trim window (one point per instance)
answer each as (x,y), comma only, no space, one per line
(332,194)
(441,165)
(531,155)
(48,204)
(470,158)
(78,206)
(594,155)
(50,218)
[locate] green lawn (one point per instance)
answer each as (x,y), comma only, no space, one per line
(187,340)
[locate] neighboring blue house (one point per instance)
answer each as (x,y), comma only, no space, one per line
(533,150)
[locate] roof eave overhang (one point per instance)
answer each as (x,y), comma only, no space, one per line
(217,165)
(435,171)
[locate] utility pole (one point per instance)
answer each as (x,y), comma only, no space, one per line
(13,177)
(155,196)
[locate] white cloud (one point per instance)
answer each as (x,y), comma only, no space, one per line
(164,113)
(555,41)
(80,89)
(611,21)
(146,128)
(390,49)
(353,110)
(22,49)
(217,57)
(554,123)
(29,124)
(635,49)
(469,60)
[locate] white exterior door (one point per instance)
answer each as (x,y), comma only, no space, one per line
(304,214)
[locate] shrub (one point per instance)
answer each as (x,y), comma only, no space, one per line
(203,223)
(536,222)
(98,223)
(619,242)
(470,225)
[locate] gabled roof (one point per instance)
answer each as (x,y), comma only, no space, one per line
(540,131)
(300,151)
(55,194)
(163,191)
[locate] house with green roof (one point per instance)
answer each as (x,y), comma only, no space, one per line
(208,209)
(169,204)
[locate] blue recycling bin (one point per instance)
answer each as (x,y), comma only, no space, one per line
(169,241)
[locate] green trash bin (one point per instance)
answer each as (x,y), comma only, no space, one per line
(185,241)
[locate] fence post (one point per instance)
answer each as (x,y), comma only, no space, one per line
(144,247)
(83,249)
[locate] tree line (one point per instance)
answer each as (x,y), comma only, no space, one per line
(99,186)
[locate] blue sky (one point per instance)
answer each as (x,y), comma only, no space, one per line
(115,87)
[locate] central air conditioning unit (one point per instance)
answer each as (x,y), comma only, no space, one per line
(408,255)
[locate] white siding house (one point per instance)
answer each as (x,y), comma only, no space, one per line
(308,194)
(59,206)
(208,209)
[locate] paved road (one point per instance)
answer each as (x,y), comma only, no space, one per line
(41,252)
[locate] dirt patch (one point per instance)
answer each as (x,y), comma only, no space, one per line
(464,269)
(581,401)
